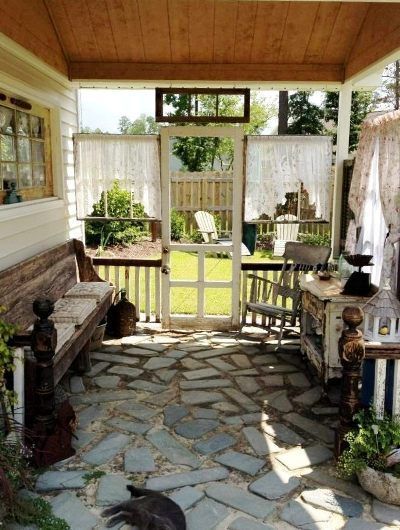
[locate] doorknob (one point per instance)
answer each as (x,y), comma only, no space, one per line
(165,269)
(165,250)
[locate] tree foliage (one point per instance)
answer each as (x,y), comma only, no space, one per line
(361,104)
(142,125)
(201,153)
(305,117)
(387,97)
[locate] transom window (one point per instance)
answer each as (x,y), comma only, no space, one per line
(24,150)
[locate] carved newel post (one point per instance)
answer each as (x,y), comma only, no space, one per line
(351,352)
(44,340)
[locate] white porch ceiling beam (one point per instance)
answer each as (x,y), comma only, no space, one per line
(342,153)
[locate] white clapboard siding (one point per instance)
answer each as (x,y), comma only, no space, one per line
(29,228)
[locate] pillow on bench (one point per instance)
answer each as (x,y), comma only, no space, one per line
(64,333)
(89,290)
(72,310)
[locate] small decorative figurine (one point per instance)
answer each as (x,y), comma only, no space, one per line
(12,196)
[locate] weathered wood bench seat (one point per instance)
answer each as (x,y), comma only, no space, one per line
(49,275)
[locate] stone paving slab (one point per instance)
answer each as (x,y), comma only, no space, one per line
(132,339)
(68,507)
(243,523)
(199,397)
(309,397)
(241,360)
(205,383)
(195,428)
(176,354)
(187,497)
(172,449)
(279,401)
(137,410)
(112,490)
(60,480)
(192,364)
(262,445)
(298,379)
(221,365)
(273,380)
(76,384)
(155,363)
(107,381)
(215,443)
(241,399)
(102,396)
(240,461)
(174,413)
(240,499)
(97,368)
(215,352)
(82,439)
(139,460)
(274,368)
(140,352)
(297,458)
(328,500)
(226,407)
(166,375)
(125,370)
(266,358)
(323,477)
(386,513)
(361,524)
(90,414)
(133,427)
(162,398)
(113,358)
(203,373)
(314,428)
(275,484)
(155,347)
(190,478)
(246,371)
(282,433)
(304,516)
(206,515)
(248,385)
(147,386)
(107,449)
(203,413)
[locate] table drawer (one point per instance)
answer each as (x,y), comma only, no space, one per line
(313,305)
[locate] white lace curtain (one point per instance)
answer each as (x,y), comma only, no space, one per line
(377,166)
(277,165)
(132,160)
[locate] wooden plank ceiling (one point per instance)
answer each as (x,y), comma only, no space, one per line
(209,40)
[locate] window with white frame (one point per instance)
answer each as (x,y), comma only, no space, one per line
(25,151)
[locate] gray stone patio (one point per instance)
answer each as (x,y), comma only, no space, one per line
(239,435)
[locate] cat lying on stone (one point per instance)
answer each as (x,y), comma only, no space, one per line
(148,510)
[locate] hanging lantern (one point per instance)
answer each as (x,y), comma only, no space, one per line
(382,317)
(121,320)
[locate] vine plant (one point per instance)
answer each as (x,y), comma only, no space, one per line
(7,397)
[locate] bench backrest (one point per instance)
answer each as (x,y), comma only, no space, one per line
(48,274)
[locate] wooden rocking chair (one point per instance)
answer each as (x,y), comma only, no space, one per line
(280,300)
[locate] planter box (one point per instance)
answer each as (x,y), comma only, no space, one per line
(383,486)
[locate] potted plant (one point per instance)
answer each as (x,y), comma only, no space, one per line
(373,455)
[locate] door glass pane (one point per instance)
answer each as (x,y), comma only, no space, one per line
(218,301)
(23,123)
(7,147)
(37,152)
(183,300)
(6,120)
(39,178)
(37,127)
(218,267)
(9,174)
(24,150)
(25,175)
(184,266)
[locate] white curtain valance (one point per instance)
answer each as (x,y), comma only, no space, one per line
(133,160)
(277,165)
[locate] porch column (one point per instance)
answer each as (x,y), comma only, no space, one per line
(342,153)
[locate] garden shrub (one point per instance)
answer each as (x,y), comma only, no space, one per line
(265,241)
(177,225)
(316,239)
(103,233)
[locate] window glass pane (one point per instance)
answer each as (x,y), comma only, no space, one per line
(9,174)
(25,175)
(7,147)
(39,178)
(6,120)
(37,152)
(23,123)
(24,150)
(37,127)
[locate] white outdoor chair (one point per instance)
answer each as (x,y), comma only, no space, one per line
(284,233)
(206,223)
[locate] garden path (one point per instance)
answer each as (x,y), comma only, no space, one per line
(238,434)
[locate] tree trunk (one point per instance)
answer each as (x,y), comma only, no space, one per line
(283,111)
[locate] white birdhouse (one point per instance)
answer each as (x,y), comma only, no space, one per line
(382,317)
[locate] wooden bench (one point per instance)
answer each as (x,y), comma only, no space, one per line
(49,275)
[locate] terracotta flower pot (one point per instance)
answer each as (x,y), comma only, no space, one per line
(383,486)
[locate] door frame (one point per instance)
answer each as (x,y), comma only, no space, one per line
(201,321)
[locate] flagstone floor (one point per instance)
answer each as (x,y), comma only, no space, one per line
(241,436)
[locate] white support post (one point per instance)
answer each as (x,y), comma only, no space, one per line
(342,153)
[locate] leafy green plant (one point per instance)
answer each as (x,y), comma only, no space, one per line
(265,241)
(369,444)
(177,225)
(93,475)
(7,397)
(119,204)
(316,239)
(38,512)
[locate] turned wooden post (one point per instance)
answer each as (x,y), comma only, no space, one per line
(351,353)
(44,340)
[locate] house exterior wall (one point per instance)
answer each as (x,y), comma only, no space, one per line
(30,227)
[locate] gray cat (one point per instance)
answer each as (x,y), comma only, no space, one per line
(148,510)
